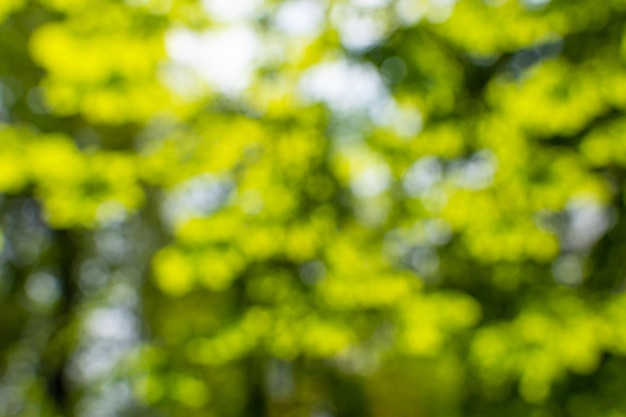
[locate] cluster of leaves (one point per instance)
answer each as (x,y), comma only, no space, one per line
(450,245)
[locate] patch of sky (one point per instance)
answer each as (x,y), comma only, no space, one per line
(423,175)
(196,197)
(346,87)
(225,58)
(587,221)
(228,11)
(300,17)
(357,29)
(474,173)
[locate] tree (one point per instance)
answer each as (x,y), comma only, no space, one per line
(325,208)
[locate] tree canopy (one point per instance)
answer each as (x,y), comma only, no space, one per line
(325,208)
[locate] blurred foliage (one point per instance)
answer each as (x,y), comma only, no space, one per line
(325,208)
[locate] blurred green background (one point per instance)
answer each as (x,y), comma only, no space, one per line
(319,208)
